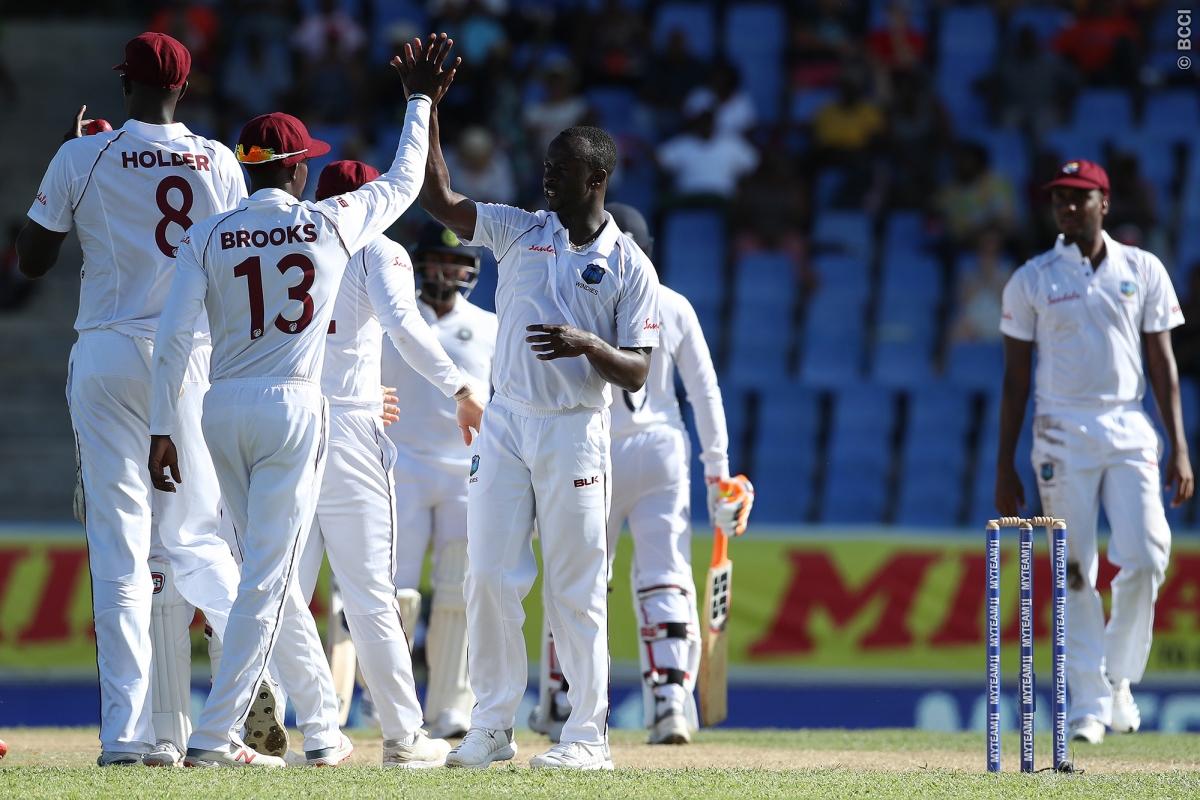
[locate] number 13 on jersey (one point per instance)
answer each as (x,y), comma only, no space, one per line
(251,270)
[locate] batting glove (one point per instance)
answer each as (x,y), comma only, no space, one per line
(735,498)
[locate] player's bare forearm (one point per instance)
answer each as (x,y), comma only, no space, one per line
(37,249)
(625,368)
(444,204)
(1164,382)
(1018,373)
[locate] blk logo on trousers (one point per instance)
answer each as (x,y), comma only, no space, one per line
(581,482)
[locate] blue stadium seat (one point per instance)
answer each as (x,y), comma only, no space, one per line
(696,22)
(838,273)
(1110,109)
(932,503)
(1070,143)
(967,44)
(902,364)
(760,345)
(853,497)
(613,106)
(905,231)
(906,321)
(634,183)
(847,232)
(969,29)
(693,254)
(1172,114)
(976,365)
(765,282)
(1009,155)
(762,79)
(1046,21)
(754,26)
(910,275)
(930,454)
(918,13)
(788,411)
(806,102)
(833,362)
(864,407)
(390,13)
(941,407)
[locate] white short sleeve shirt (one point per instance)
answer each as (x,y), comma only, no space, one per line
(1087,325)
(609,289)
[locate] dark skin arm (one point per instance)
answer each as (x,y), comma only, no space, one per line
(443,203)
(1018,374)
(1164,382)
(37,249)
(625,367)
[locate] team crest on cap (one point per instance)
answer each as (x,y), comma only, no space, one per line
(1128,288)
(1070,168)
(474,464)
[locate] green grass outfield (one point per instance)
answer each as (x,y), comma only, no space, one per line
(721,764)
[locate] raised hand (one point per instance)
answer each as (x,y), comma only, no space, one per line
(77,125)
(422,67)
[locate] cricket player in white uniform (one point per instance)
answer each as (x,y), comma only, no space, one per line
(1090,305)
(131,193)
(356,513)
(651,455)
(267,274)
(577,308)
(431,469)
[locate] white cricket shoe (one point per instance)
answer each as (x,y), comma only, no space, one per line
(1126,718)
(330,756)
(481,746)
(574,755)
(265,731)
(1088,729)
(422,753)
(239,755)
(117,758)
(670,722)
(450,724)
(164,754)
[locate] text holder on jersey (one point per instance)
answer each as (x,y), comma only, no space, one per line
(712,683)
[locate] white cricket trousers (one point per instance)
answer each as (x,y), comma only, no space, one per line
(431,508)
(356,525)
(650,471)
(108,392)
(552,468)
(267,439)
(1083,459)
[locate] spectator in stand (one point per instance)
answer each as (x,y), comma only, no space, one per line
(563,107)
(917,131)
(1031,86)
(772,207)
(480,170)
(331,84)
(611,40)
(851,123)
(980,289)
(897,45)
(821,41)
(329,28)
(1133,203)
(257,75)
(705,166)
(676,72)
(733,108)
(977,199)
(1103,43)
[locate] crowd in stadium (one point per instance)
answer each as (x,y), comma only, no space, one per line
(841,188)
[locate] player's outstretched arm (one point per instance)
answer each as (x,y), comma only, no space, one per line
(444,204)
(1018,373)
(1164,381)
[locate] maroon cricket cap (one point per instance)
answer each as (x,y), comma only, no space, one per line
(277,137)
(344,176)
(156,59)
(1080,175)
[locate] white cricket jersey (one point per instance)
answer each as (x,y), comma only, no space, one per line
(428,428)
(609,289)
(1087,325)
(131,193)
(683,348)
(378,294)
(268,272)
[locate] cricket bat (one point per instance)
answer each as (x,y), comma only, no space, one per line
(713,680)
(342,658)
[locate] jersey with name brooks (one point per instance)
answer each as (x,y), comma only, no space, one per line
(132,193)
(268,271)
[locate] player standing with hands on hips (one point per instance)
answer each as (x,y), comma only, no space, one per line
(130,194)
(1091,305)
(577,307)
(267,273)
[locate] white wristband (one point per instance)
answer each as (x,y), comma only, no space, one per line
(419,96)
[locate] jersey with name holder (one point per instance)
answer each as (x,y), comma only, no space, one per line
(131,193)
